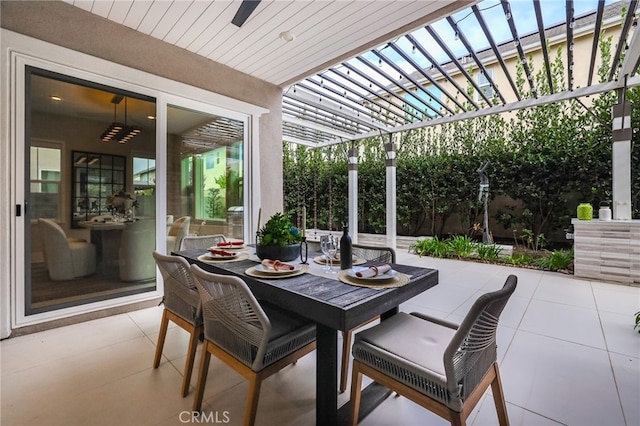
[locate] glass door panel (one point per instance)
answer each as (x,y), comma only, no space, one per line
(205,175)
(77,249)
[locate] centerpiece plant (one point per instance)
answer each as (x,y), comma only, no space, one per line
(278,239)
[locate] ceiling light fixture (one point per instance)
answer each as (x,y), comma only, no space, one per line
(287,36)
(116,130)
(93,160)
(55,98)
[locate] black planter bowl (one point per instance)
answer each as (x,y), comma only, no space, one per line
(273,252)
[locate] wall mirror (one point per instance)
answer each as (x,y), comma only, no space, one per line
(95,177)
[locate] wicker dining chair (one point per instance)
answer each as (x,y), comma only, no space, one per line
(193,242)
(254,338)
(439,365)
(181,306)
(370,253)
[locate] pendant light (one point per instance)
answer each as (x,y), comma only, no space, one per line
(116,130)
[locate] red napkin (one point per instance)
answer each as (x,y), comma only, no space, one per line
(230,243)
(373,271)
(277,265)
(217,252)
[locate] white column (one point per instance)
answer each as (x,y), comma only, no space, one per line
(621,161)
(353,194)
(390,163)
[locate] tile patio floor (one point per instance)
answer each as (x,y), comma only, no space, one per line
(567,350)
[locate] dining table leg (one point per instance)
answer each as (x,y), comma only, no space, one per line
(326,376)
(327,411)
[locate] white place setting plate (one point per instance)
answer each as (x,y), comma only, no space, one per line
(386,276)
(265,270)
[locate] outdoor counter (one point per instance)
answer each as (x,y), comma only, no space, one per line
(607,250)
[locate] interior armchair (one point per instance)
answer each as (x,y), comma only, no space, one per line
(66,258)
(179,229)
(136,245)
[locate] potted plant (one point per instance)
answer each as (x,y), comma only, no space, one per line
(278,239)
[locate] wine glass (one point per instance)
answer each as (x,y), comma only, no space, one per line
(332,249)
(324,246)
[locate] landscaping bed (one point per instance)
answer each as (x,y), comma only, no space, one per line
(464,248)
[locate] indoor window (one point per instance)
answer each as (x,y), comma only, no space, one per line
(45,181)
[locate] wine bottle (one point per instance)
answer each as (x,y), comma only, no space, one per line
(345,248)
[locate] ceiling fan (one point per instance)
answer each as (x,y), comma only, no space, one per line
(244,11)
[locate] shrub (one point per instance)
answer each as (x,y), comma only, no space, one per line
(518,259)
(462,246)
(423,247)
(488,251)
(431,247)
(559,259)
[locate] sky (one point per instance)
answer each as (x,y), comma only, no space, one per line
(522,11)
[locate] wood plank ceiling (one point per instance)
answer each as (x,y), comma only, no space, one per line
(325,31)
(350,64)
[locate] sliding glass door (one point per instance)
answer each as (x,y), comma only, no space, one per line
(90,192)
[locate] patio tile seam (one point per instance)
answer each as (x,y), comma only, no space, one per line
(528,410)
(564,340)
(615,382)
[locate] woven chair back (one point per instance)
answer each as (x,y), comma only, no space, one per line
(233,318)
(180,293)
(194,242)
(472,350)
(372,253)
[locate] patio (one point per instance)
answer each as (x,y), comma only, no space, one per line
(567,351)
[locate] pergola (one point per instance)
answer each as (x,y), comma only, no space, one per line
(400,85)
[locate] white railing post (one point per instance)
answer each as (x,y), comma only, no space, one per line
(390,164)
(353,193)
(621,161)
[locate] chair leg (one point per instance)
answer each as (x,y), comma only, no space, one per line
(252,400)
(456,418)
(202,377)
(498,397)
(164,322)
(346,350)
(191,354)
(356,385)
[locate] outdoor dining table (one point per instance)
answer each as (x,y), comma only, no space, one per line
(333,306)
